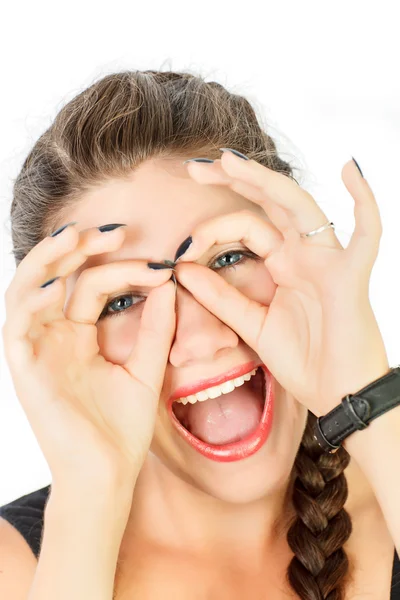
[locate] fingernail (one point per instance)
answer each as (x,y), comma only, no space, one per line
(157,266)
(174,280)
(57,231)
(111,226)
(358,167)
(183,247)
(170,263)
(201,160)
(239,154)
(49,282)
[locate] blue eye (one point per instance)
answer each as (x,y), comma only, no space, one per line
(115,308)
(232,263)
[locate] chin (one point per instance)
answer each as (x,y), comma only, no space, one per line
(257,482)
(266,473)
(262,473)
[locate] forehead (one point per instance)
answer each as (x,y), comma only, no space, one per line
(160,203)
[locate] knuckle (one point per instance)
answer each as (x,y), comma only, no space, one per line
(85,276)
(246,212)
(89,276)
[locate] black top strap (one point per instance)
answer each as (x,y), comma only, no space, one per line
(26,515)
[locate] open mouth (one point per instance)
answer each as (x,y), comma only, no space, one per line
(232,425)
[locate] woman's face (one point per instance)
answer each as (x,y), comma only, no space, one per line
(161,205)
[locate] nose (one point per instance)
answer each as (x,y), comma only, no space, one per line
(200,335)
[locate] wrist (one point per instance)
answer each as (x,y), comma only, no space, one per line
(361,444)
(112,496)
(347,423)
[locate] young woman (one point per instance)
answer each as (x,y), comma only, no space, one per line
(173,344)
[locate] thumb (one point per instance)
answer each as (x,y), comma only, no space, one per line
(148,360)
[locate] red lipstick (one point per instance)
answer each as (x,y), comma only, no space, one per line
(203,384)
(236,450)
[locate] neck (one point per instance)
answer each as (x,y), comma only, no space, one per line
(168,512)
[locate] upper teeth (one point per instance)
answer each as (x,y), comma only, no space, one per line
(217,390)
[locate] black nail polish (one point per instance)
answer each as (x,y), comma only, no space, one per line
(183,247)
(61,229)
(157,266)
(239,154)
(111,226)
(170,263)
(200,160)
(358,167)
(49,282)
(173,278)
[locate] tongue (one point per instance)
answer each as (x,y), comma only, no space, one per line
(228,418)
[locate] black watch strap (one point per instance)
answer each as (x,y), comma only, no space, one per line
(356,411)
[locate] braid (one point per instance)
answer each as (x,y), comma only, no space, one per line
(320,568)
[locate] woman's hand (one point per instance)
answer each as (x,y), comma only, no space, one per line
(93,419)
(319,336)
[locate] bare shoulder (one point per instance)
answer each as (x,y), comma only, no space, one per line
(17,563)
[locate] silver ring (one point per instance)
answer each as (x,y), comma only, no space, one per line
(315,231)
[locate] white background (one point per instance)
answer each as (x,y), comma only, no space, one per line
(324,78)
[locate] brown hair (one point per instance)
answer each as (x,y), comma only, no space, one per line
(106,131)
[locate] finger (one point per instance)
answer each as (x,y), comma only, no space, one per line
(29,307)
(245,226)
(40,307)
(363,247)
(149,357)
(213,173)
(62,261)
(302,212)
(243,315)
(95,284)
(21,327)
(25,300)
(58,257)
(33,270)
